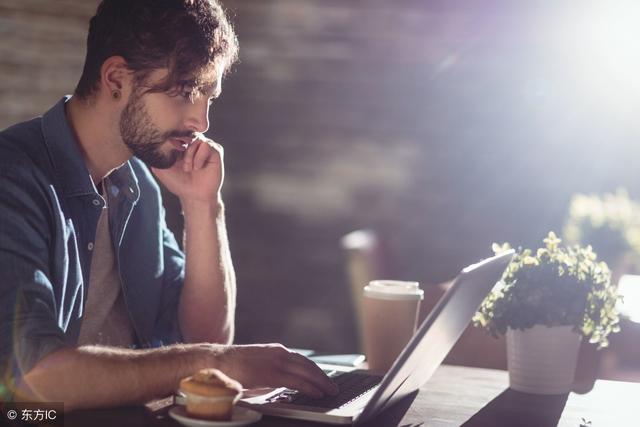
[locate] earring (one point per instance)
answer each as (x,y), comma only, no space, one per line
(115,94)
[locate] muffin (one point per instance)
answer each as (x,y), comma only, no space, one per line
(210,394)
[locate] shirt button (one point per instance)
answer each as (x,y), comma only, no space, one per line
(90,246)
(95,202)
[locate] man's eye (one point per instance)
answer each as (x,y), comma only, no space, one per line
(187,95)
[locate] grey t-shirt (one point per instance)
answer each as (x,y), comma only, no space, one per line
(105,320)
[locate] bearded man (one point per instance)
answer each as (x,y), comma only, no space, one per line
(98,304)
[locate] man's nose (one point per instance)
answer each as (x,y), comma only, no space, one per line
(197,118)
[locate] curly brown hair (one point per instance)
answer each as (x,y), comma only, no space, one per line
(184,36)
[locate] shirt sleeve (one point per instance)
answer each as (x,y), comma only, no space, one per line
(167,324)
(29,329)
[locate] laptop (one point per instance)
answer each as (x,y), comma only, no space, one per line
(364,394)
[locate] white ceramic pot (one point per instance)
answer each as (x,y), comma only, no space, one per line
(542,359)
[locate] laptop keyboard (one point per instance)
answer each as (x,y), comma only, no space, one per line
(351,385)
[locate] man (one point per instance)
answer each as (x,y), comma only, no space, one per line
(95,294)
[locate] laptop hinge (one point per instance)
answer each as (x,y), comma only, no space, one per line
(366,413)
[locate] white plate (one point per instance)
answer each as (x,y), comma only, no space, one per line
(239,417)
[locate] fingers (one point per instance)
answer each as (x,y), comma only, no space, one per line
(311,372)
(273,365)
(187,158)
(297,383)
(204,152)
(302,374)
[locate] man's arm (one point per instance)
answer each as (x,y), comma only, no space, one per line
(92,376)
(207,301)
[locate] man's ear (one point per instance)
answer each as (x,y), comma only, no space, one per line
(116,79)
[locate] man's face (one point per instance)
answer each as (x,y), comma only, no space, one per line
(157,127)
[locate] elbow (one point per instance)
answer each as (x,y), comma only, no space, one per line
(218,331)
(48,381)
(224,336)
(228,335)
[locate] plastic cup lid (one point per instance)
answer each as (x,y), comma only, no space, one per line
(394,290)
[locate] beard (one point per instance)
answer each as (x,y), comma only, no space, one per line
(143,138)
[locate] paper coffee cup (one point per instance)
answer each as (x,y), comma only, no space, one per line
(390,317)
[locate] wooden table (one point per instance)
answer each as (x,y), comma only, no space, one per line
(455,396)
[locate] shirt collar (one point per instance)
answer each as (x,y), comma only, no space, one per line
(124,181)
(68,162)
(64,150)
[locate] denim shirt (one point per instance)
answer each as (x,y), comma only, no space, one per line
(49,209)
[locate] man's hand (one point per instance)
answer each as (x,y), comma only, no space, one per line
(198,175)
(273,365)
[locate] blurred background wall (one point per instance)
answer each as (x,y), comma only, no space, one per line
(443,126)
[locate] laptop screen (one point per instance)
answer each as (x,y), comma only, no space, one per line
(438,333)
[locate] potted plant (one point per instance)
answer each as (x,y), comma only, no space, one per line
(546,302)
(610,223)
